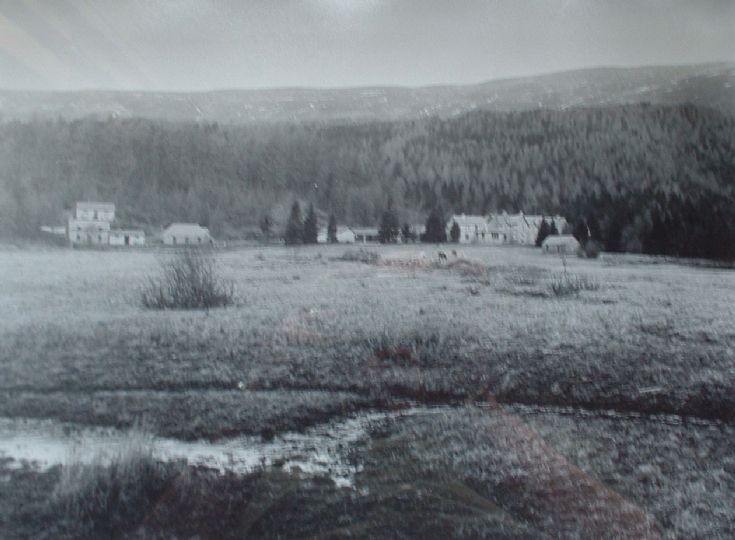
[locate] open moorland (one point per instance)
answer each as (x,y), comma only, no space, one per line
(550,397)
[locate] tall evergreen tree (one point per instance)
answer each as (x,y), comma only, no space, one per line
(553,231)
(332,229)
(435,229)
(311,227)
(294,227)
(454,232)
(407,234)
(389,226)
(543,232)
(581,232)
(266,225)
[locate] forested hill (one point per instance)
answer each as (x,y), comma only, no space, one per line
(711,85)
(647,178)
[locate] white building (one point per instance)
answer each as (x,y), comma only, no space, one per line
(502,228)
(182,234)
(94,211)
(561,244)
(365,235)
(127,237)
(89,232)
(475,230)
(345,235)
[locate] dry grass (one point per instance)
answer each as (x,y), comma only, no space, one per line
(104,498)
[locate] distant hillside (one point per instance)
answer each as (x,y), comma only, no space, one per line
(711,85)
(657,179)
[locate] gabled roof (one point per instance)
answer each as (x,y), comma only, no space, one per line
(185,229)
(365,231)
(465,220)
(95,206)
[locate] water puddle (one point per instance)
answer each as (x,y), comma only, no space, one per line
(322,450)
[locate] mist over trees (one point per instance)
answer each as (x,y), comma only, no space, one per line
(645,178)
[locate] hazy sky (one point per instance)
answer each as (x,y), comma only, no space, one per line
(213,44)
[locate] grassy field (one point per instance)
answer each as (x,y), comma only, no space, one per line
(311,336)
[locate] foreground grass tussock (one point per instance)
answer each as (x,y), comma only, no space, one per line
(104,499)
(568,284)
(359,255)
(189,281)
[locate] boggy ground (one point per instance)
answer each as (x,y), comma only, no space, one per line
(311,337)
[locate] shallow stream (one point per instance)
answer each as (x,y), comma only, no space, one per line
(322,450)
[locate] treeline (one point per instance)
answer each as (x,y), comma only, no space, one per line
(643,178)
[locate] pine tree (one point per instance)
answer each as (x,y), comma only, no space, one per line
(553,231)
(311,227)
(266,224)
(435,230)
(543,232)
(332,229)
(581,232)
(389,227)
(294,226)
(455,232)
(407,234)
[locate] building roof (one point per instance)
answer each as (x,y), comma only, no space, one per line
(185,229)
(95,205)
(127,231)
(365,231)
(560,239)
(465,220)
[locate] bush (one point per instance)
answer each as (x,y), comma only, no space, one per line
(566,284)
(590,250)
(189,281)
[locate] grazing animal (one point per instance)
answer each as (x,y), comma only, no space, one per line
(442,256)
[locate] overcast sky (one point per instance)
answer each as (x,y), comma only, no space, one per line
(215,44)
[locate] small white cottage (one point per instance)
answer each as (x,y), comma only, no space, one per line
(186,234)
(560,243)
(344,235)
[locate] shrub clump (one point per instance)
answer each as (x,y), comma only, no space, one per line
(190,280)
(101,500)
(567,284)
(590,250)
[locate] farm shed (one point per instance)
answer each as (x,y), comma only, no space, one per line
(365,235)
(560,243)
(181,234)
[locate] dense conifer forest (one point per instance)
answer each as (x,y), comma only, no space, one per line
(654,179)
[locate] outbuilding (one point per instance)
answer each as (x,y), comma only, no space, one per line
(127,237)
(560,243)
(186,234)
(344,235)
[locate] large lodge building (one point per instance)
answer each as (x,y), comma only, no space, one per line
(501,228)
